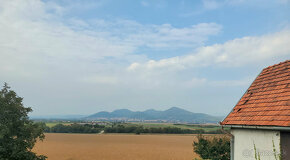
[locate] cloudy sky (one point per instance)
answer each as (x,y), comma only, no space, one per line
(83,56)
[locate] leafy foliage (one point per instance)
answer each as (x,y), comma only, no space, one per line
(73,128)
(140,129)
(77,128)
(123,128)
(18,134)
(212,148)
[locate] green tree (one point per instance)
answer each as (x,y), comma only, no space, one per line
(18,134)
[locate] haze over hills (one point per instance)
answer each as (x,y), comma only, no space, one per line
(173,114)
(58,117)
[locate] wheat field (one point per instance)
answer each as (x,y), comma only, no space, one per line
(116,147)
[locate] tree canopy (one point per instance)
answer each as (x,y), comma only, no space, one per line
(18,134)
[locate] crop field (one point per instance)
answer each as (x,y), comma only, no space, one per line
(181,126)
(116,146)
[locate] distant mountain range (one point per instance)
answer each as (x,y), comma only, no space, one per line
(173,114)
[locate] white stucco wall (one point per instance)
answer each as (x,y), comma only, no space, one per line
(244,140)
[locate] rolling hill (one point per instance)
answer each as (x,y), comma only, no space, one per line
(173,115)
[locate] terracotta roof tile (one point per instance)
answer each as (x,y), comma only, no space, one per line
(267,100)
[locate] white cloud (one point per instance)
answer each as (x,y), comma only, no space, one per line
(255,3)
(74,62)
(133,66)
(156,36)
(166,36)
(37,43)
(241,82)
(144,3)
(211,4)
(237,52)
(100,79)
(194,82)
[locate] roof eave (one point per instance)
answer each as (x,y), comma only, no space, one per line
(280,128)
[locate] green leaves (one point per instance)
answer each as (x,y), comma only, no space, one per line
(212,147)
(18,134)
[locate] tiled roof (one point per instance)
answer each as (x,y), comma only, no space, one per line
(267,101)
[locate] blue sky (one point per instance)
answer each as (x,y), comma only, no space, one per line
(85,56)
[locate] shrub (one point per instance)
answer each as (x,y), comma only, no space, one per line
(212,147)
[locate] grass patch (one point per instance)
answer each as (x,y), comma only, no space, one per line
(51,124)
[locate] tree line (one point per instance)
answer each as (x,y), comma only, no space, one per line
(73,128)
(122,128)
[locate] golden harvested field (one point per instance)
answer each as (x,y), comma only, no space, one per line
(116,147)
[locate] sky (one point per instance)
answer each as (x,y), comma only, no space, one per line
(79,57)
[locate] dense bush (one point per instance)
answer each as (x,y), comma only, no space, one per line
(212,147)
(218,131)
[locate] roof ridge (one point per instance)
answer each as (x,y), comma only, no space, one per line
(274,65)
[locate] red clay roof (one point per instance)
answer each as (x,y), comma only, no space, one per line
(267,101)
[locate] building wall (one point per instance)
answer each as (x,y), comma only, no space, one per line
(245,139)
(285,144)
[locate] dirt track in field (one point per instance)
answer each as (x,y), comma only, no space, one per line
(116,147)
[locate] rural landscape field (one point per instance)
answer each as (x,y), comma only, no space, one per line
(144,79)
(60,146)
